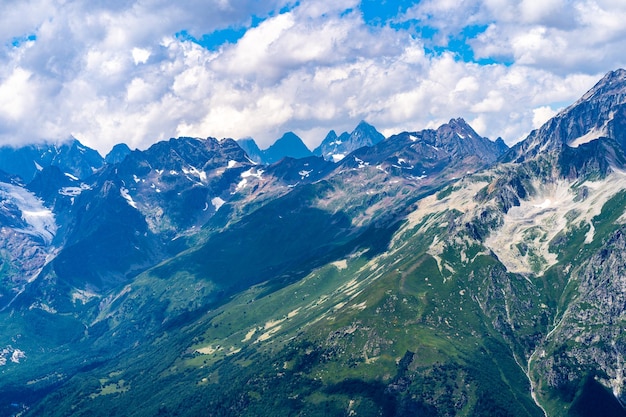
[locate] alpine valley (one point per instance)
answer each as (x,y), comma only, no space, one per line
(430,273)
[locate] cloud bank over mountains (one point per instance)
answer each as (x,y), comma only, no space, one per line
(143,71)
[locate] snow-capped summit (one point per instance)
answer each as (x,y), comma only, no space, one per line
(335,148)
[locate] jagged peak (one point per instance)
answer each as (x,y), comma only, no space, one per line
(332,135)
(363,124)
(182,139)
(459,122)
(612,77)
(366,129)
(613,82)
(247,139)
(228,143)
(117,153)
(591,118)
(458,126)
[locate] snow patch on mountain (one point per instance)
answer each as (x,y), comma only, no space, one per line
(39,219)
(217,203)
(241,185)
(196,173)
(70,176)
(593,134)
(252,172)
(11,354)
(522,244)
(361,163)
(127,197)
(74,191)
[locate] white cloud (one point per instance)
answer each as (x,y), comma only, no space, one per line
(15,93)
(554,13)
(108,72)
(140,55)
(541,115)
(490,104)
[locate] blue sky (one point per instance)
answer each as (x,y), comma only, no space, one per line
(142,71)
(375,14)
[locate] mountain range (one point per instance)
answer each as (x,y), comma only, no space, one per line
(288,145)
(432,273)
(333,148)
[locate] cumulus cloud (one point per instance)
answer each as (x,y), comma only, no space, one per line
(110,72)
(541,115)
(556,35)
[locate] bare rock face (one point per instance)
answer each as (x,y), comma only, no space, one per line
(591,117)
(589,337)
(586,138)
(335,148)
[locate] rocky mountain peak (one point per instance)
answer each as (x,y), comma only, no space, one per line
(459,127)
(70,156)
(289,138)
(459,139)
(334,148)
(251,149)
(364,128)
(612,84)
(598,114)
(330,137)
(290,145)
(117,154)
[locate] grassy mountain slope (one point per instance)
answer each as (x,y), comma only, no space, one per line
(434,325)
